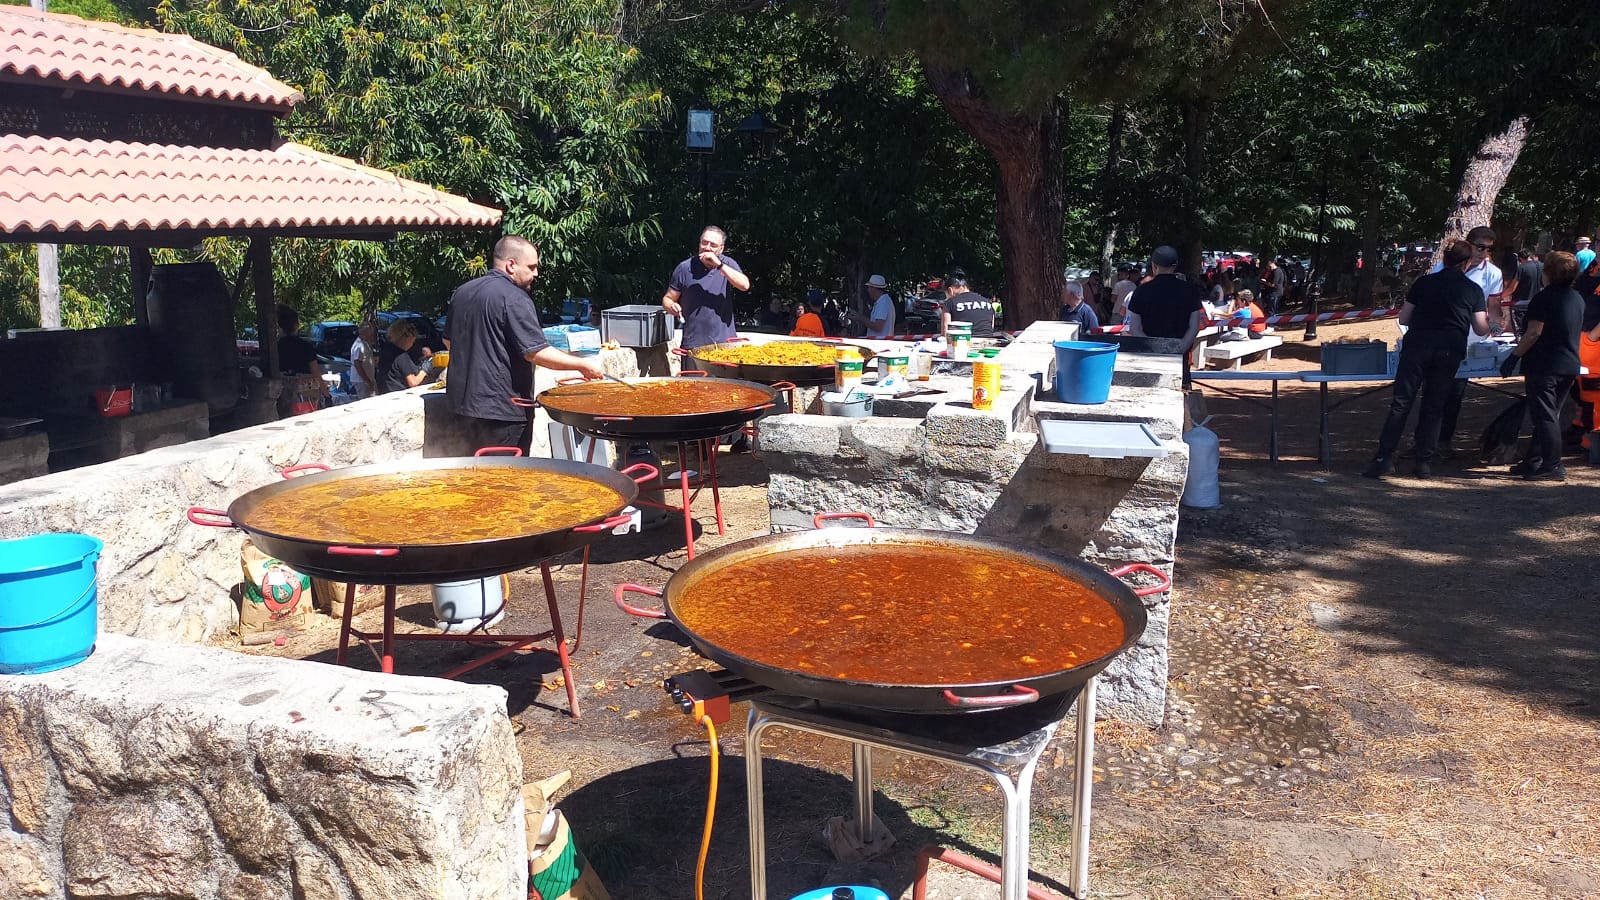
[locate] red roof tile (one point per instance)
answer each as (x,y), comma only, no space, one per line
(50,47)
(62,186)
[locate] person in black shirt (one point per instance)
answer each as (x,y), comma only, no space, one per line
(303,389)
(1549,354)
(397,369)
(1167,305)
(962,304)
(1438,311)
(1530,277)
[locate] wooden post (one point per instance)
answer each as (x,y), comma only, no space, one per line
(266,304)
(141,263)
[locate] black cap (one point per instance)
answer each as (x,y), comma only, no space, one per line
(1164,256)
(843,893)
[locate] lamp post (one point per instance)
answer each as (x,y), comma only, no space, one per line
(1316,257)
(700,138)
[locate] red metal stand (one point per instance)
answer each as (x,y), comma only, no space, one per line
(689,488)
(510,643)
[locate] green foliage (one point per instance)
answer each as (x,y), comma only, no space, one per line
(96,286)
(528,107)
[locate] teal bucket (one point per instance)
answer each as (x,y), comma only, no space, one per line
(1083,371)
(48,610)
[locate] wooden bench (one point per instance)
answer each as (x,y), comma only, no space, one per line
(1236,351)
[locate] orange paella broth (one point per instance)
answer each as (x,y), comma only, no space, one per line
(656,397)
(435,506)
(901,614)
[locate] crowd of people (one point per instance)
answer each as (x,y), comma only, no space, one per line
(1549,302)
(1239,288)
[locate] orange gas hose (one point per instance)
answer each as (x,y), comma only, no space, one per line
(711,810)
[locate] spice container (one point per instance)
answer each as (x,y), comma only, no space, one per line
(847,366)
(894,364)
(985,383)
(960,336)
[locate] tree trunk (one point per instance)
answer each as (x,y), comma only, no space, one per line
(1196,129)
(1369,244)
(1111,191)
(1026,148)
(1485,175)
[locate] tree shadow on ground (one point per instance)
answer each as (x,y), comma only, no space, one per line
(1488,576)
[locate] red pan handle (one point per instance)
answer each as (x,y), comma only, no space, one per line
(679,351)
(613,418)
(1166,580)
(637,611)
(783,385)
(819,518)
(605,524)
(648,473)
(304,467)
(694,373)
(524,402)
(1020,695)
(201,515)
(758,407)
(579,380)
(498,451)
(340,550)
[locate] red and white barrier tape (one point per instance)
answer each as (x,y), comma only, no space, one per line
(1334,316)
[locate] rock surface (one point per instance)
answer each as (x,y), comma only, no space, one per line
(159,770)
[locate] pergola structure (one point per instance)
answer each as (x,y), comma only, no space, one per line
(132,137)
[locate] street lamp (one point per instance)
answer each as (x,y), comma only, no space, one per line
(699,137)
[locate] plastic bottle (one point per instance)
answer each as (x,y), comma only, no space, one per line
(1201,490)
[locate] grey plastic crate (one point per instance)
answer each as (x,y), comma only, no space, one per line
(1368,358)
(636,325)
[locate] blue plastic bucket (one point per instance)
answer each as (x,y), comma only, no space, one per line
(48,608)
(862,892)
(1083,371)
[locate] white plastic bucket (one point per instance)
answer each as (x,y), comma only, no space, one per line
(465,605)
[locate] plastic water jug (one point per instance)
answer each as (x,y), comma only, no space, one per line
(1201,491)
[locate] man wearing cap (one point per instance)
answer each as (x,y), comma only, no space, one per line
(880,321)
(1585,255)
(1167,305)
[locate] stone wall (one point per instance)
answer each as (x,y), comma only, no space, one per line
(165,578)
(966,471)
(190,773)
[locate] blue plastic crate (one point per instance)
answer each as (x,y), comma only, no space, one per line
(574,338)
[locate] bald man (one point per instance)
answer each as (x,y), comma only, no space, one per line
(495,341)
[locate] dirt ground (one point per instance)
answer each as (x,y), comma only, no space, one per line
(1378,689)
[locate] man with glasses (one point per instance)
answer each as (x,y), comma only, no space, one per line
(698,291)
(1486,275)
(495,341)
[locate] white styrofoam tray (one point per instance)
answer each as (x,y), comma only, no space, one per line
(1101,440)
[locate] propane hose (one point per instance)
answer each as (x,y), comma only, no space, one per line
(711,810)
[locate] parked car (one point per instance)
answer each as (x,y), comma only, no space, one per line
(574,311)
(333,338)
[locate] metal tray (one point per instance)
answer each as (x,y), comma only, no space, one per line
(1100,440)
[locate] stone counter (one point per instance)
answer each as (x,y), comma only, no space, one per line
(957,469)
(195,773)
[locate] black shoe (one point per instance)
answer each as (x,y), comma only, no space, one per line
(1423,470)
(1378,468)
(1554,473)
(742,445)
(1523,468)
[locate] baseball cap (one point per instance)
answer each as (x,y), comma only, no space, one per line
(1164,255)
(878,281)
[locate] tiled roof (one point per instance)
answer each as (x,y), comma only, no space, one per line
(78,187)
(53,48)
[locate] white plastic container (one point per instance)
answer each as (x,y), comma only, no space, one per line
(461,606)
(1201,490)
